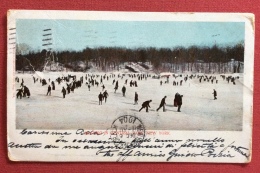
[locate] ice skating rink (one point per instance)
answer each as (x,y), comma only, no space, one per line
(81,109)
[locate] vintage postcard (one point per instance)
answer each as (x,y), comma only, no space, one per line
(129,86)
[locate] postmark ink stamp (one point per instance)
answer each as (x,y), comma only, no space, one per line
(128,131)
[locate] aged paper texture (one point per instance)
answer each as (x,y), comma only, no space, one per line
(130,86)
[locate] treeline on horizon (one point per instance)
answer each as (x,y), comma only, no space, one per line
(106,56)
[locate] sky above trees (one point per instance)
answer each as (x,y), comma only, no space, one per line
(79,34)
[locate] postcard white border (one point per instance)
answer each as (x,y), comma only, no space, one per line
(243,138)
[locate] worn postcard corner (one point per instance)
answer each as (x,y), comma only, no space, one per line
(129,86)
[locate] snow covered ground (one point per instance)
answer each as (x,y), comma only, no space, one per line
(81,109)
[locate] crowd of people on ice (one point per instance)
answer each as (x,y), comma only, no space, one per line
(92,80)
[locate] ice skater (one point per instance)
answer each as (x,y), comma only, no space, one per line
(136,98)
(214,94)
(135,83)
(103,87)
(162,104)
(22,83)
(44,82)
(123,90)
(72,88)
(68,88)
(26,91)
(53,85)
(19,93)
(178,99)
(100,98)
(116,86)
(105,95)
(146,105)
(49,90)
(63,92)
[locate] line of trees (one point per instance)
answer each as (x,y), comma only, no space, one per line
(109,58)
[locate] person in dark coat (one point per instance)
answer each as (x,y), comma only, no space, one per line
(101,80)
(105,95)
(178,99)
(49,90)
(72,89)
(123,90)
(22,83)
(26,91)
(103,87)
(68,88)
(53,85)
(131,83)
(136,98)
(146,105)
(100,98)
(175,100)
(58,80)
(135,84)
(44,82)
(162,104)
(116,86)
(214,94)
(63,92)
(89,87)
(19,93)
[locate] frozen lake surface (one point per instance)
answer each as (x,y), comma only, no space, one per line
(81,109)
